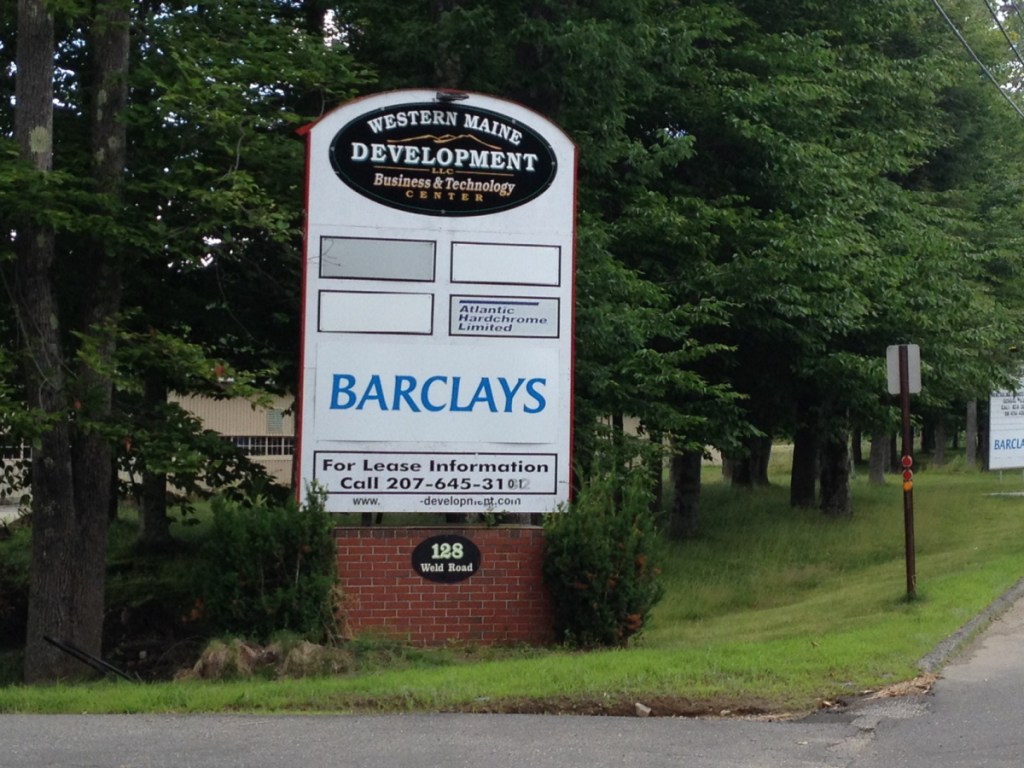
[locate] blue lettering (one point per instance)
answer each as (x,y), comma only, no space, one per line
(338,389)
(444,393)
(531,389)
(1009,444)
(510,392)
(404,387)
(425,393)
(484,394)
(374,391)
(455,407)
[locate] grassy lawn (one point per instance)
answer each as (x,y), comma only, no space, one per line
(770,609)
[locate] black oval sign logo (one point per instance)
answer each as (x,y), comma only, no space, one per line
(443,159)
(447,558)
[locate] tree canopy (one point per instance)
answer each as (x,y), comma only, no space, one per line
(769,197)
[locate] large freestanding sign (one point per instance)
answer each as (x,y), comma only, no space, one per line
(438,306)
(1006,429)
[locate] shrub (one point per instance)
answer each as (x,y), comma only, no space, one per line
(15,546)
(598,566)
(268,567)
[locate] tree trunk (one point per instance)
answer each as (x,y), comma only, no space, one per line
(764,455)
(940,438)
(447,62)
(835,474)
(971,438)
(154,525)
(752,469)
(618,456)
(54,583)
(91,449)
(803,474)
(684,469)
(656,468)
(878,460)
(928,436)
(71,478)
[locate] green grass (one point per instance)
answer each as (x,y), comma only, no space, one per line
(771,608)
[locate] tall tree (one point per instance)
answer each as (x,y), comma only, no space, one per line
(71,460)
(55,555)
(218,90)
(192,184)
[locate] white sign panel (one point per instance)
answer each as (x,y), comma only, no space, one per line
(1006,430)
(892,368)
(394,393)
(437,313)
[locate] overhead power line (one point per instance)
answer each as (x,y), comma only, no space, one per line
(970,50)
(1002,28)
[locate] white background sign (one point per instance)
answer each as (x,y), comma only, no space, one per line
(393,393)
(1006,430)
(892,368)
(437,342)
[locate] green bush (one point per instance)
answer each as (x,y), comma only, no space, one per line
(598,567)
(15,547)
(268,567)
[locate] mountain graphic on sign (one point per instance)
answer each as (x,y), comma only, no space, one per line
(448,138)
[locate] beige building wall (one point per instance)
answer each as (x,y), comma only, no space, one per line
(265,433)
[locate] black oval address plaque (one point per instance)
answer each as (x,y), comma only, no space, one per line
(443,159)
(447,558)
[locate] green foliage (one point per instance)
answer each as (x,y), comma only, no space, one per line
(269,567)
(598,566)
(155,435)
(14,554)
(207,246)
(769,196)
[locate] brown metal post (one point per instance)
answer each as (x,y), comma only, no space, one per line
(908,484)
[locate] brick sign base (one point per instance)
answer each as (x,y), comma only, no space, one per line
(503,602)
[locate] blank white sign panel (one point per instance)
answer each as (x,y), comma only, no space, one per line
(371,312)
(498,263)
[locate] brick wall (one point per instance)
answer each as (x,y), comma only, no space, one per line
(503,602)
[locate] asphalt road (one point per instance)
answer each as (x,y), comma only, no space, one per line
(972,718)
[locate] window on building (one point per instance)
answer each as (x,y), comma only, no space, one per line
(264,445)
(275,421)
(8,451)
